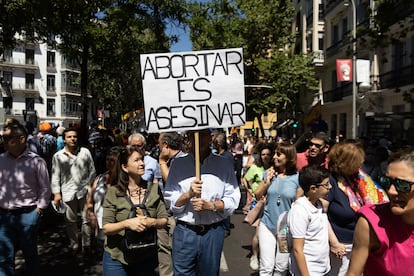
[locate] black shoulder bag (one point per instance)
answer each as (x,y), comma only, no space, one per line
(139,246)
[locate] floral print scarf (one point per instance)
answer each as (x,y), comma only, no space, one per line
(363,191)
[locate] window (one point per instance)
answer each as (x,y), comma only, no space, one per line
(334,125)
(51,107)
(334,79)
(8,76)
(29,81)
(344,26)
(51,62)
(342,124)
(335,34)
(70,106)
(50,83)
(8,104)
(8,55)
(397,55)
(30,56)
(320,41)
(30,103)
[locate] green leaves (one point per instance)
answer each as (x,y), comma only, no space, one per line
(263,29)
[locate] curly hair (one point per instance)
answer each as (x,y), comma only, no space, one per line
(264,146)
(346,158)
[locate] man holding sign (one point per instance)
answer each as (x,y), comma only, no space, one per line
(199,207)
(188,92)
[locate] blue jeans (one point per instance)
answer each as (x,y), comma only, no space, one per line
(192,251)
(19,229)
(113,267)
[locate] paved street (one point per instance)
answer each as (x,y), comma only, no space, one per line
(56,260)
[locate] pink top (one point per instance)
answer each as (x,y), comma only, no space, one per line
(24,181)
(396,252)
(302,160)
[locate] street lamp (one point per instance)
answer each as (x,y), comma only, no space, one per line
(354,61)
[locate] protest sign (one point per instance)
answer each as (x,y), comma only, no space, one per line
(193,90)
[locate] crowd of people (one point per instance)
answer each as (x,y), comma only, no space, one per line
(162,204)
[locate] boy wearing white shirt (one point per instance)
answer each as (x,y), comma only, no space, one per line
(309,225)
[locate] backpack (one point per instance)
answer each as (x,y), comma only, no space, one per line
(284,236)
(47,146)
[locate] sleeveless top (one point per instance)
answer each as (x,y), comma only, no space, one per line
(396,252)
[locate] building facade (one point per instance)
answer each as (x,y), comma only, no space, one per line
(39,84)
(382,110)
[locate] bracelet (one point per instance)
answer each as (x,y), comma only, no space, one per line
(214,206)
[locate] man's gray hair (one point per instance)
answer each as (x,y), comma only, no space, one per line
(137,135)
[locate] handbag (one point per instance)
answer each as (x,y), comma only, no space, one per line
(255,213)
(139,246)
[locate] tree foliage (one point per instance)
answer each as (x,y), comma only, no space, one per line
(105,37)
(127,30)
(263,29)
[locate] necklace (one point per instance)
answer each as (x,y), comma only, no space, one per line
(137,193)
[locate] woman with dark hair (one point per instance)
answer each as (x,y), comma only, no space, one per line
(281,186)
(96,194)
(252,179)
(351,189)
(130,188)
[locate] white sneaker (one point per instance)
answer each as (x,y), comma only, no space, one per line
(254,263)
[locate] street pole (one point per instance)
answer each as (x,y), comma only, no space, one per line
(354,68)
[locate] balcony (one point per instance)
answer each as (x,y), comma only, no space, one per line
(338,93)
(51,68)
(10,63)
(73,90)
(28,89)
(318,58)
(397,78)
(70,67)
(51,91)
(338,47)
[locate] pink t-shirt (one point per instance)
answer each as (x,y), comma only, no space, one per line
(396,253)
(302,160)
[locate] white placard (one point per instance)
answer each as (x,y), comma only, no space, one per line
(193,90)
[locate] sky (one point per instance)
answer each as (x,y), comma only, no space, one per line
(184,43)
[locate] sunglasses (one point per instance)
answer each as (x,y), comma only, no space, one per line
(319,146)
(402,186)
(7,138)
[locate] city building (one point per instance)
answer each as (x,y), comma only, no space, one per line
(39,84)
(382,109)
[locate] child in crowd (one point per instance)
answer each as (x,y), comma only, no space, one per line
(308,224)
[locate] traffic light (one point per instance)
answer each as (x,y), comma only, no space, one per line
(295,124)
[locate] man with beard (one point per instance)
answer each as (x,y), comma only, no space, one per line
(316,153)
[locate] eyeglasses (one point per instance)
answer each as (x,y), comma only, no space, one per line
(319,146)
(402,186)
(325,185)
